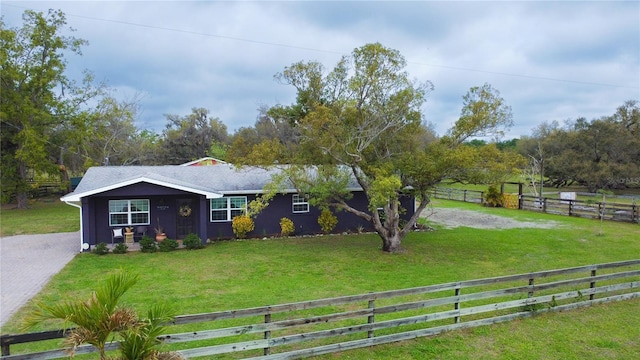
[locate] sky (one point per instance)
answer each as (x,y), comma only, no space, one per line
(550,60)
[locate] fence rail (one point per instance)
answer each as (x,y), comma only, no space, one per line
(586,209)
(473,196)
(309,328)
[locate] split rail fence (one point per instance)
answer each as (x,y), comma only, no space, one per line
(585,209)
(472,196)
(309,328)
(580,208)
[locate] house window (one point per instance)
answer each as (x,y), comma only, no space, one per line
(129,212)
(300,203)
(226,208)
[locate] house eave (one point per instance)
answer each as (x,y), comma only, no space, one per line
(73,197)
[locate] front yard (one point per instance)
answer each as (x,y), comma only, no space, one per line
(239,274)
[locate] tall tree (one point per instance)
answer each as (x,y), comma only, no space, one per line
(274,129)
(112,137)
(190,137)
(599,154)
(365,118)
(38,99)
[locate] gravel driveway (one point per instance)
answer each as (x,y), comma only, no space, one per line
(451,217)
(27,262)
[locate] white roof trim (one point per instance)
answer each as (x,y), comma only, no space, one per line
(79,196)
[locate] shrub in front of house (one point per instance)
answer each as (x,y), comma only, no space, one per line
(120,248)
(148,244)
(242,225)
(168,245)
(192,242)
(327,221)
(101,249)
(286,226)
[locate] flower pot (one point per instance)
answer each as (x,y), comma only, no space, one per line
(160,237)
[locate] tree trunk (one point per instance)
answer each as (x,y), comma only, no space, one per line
(21,191)
(391,242)
(21,199)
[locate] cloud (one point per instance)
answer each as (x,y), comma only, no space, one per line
(549,60)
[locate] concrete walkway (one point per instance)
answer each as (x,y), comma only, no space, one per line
(27,263)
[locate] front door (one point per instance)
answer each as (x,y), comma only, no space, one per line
(186,220)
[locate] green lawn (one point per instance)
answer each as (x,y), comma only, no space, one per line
(238,274)
(44,216)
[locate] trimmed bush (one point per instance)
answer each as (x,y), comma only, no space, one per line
(493,197)
(148,244)
(167,245)
(327,221)
(286,226)
(120,248)
(192,242)
(101,249)
(242,225)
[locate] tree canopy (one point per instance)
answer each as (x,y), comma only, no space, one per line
(190,137)
(38,99)
(364,118)
(599,154)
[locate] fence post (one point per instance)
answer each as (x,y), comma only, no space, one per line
(544,204)
(456,305)
(592,284)
(372,318)
(531,283)
(520,201)
(600,211)
(571,207)
(267,334)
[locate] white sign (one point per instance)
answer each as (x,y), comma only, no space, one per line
(568,195)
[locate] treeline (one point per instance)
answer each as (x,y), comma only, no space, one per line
(598,154)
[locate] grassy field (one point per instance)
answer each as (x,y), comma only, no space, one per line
(238,274)
(44,216)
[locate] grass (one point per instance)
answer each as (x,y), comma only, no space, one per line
(238,274)
(43,216)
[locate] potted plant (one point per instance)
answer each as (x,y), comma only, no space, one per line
(160,234)
(128,234)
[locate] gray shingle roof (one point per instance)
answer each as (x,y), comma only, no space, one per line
(212,181)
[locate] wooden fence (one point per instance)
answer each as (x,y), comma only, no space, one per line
(303,329)
(586,209)
(473,196)
(580,208)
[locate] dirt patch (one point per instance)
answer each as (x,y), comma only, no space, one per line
(451,218)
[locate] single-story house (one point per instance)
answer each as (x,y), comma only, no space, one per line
(195,199)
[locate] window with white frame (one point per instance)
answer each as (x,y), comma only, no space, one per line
(300,203)
(129,212)
(226,208)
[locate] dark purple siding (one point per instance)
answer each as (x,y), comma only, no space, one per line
(164,208)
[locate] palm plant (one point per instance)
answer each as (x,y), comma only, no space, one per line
(97,318)
(139,341)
